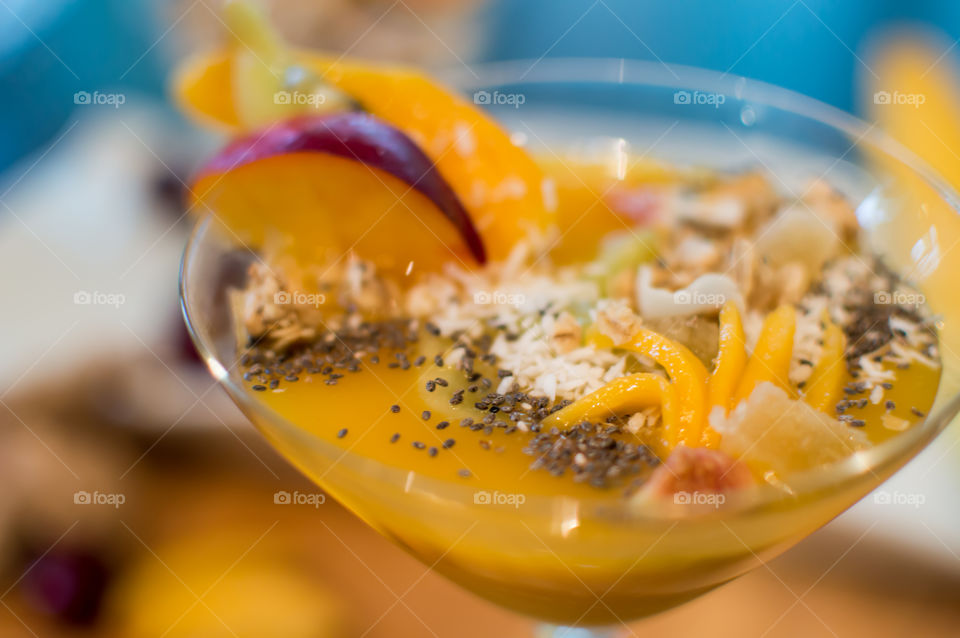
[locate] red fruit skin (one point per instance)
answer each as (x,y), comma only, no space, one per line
(698,470)
(359,137)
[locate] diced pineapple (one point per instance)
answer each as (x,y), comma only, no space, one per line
(771,431)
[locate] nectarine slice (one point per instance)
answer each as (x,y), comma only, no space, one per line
(500,185)
(322,187)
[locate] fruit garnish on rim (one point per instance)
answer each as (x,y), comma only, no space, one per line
(430,138)
(458,307)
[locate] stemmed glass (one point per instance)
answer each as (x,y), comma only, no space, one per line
(572,562)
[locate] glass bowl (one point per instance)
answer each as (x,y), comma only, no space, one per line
(575,562)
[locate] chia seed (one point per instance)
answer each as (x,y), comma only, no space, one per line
(342,433)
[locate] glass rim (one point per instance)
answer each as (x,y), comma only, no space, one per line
(883,458)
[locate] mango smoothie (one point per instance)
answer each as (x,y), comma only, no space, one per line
(586,395)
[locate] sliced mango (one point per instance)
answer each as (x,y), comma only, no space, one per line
(731,360)
(825,384)
(770,360)
(689,376)
(622,396)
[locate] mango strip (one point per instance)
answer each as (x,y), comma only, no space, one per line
(621,396)
(687,374)
(731,359)
(825,382)
(770,360)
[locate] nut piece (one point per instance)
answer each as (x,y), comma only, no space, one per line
(792,282)
(743,265)
(832,207)
(566,333)
(617,321)
(755,190)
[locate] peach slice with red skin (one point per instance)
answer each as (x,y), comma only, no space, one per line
(339,183)
(499,183)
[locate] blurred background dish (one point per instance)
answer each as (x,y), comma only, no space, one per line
(137,498)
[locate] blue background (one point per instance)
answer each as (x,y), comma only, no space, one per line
(811,46)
